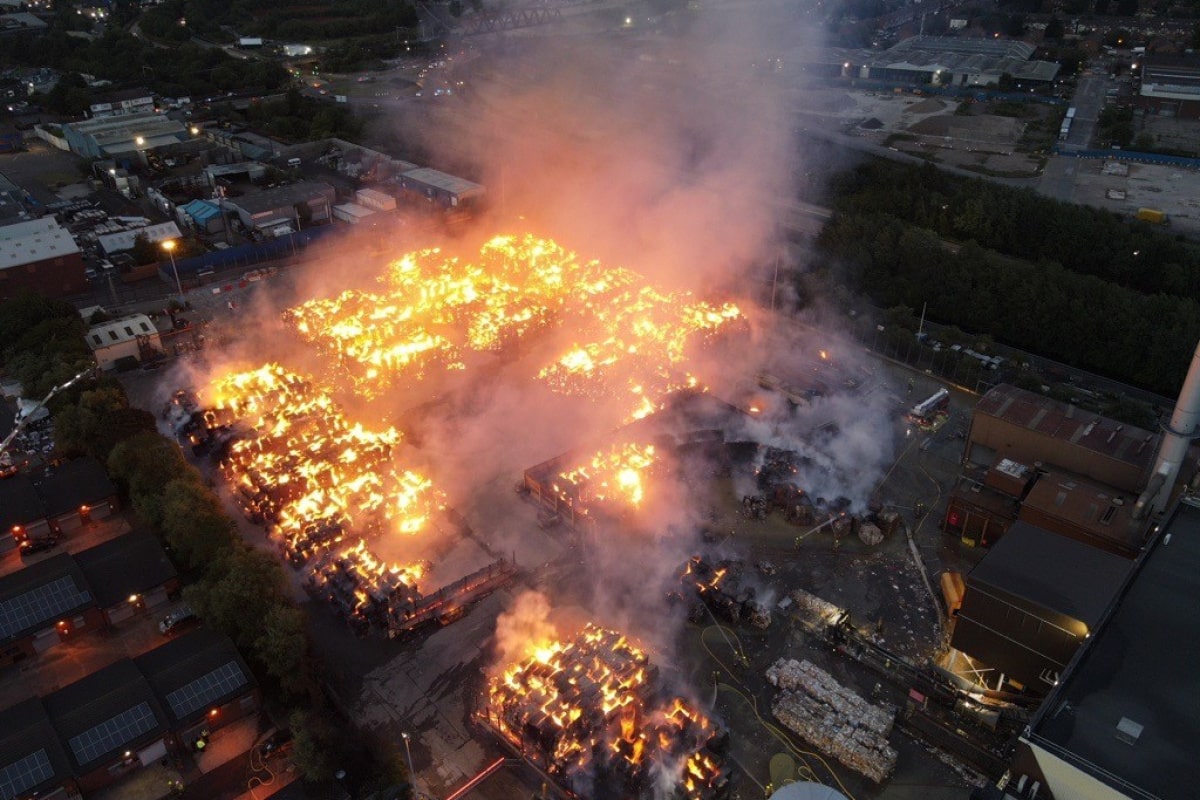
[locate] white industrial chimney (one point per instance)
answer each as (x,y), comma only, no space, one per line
(1177,437)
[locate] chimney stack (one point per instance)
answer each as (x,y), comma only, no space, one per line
(1177,437)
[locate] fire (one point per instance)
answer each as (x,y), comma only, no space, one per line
(433,311)
(588,708)
(316,476)
(616,474)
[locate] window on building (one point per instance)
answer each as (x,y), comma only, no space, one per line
(145,327)
(128,331)
(96,338)
(112,335)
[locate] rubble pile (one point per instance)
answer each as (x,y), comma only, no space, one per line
(721,589)
(833,718)
(590,711)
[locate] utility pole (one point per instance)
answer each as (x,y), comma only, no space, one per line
(921,326)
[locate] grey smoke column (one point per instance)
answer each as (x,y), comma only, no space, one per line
(1185,420)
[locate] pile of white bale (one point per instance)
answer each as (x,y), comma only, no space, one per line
(833,718)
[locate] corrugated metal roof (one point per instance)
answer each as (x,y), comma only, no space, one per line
(123,240)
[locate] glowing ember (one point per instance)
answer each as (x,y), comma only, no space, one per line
(588,711)
(616,474)
(311,472)
(631,339)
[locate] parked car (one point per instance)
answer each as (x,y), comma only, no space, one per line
(38,545)
(178,620)
(278,742)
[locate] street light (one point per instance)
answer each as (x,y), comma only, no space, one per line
(169,246)
(412,776)
(140,141)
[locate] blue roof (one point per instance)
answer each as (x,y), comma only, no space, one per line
(201,210)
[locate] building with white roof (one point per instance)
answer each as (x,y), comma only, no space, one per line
(40,256)
(127,135)
(124,240)
(133,336)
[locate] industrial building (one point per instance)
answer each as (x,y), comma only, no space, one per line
(57,500)
(439,188)
(204,215)
(352,213)
(133,337)
(60,597)
(126,137)
(952,61)
(125,101)
(1053,465)
(270,208)
(40,256)
(1031,602)
(1170,85)
(130,714)
(1123,720)
(120,241)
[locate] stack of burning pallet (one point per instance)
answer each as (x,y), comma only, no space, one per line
(833,718)
(591,713)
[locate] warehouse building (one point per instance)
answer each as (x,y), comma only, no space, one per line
(1124,717)
(40,256)
(122,102)
(121,241)
(440,188)
(203,215)
(270,208)
(1030,429)
(352,213)
(1170,85)
(953,61)
(125,137)
(1030,603)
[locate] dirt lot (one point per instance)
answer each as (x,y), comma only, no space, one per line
(1170,189)
(932,128)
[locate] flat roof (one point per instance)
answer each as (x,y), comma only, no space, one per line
(281,197)
(441,180)
(1127,710)
(1053,572)
(124,240)
(35,240)
(1068,423)
(1101,511)
(124,566)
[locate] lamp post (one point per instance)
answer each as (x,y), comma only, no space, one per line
(412,776)
(169,246)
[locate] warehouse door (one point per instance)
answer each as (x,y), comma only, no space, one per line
(46,639)
(120,613)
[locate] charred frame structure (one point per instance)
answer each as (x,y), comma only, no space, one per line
(594,715)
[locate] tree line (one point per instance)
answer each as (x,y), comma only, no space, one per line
(237,589)
(1073,283)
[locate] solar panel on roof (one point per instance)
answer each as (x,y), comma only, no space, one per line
(21,775)
(39,605)
(113,733)
(221,681)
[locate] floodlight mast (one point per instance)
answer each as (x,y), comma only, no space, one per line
(22,422)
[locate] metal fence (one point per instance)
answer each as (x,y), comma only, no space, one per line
(244,255)
(1182,162)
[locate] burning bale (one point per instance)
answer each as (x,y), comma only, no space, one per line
(434,311)
(590,712)
(833,718)
(719,587)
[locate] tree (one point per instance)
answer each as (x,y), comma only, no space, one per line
(144,464)
(1054,30)
(195,525)
(237,598)
(316,745)
(283,647)
(144,251)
